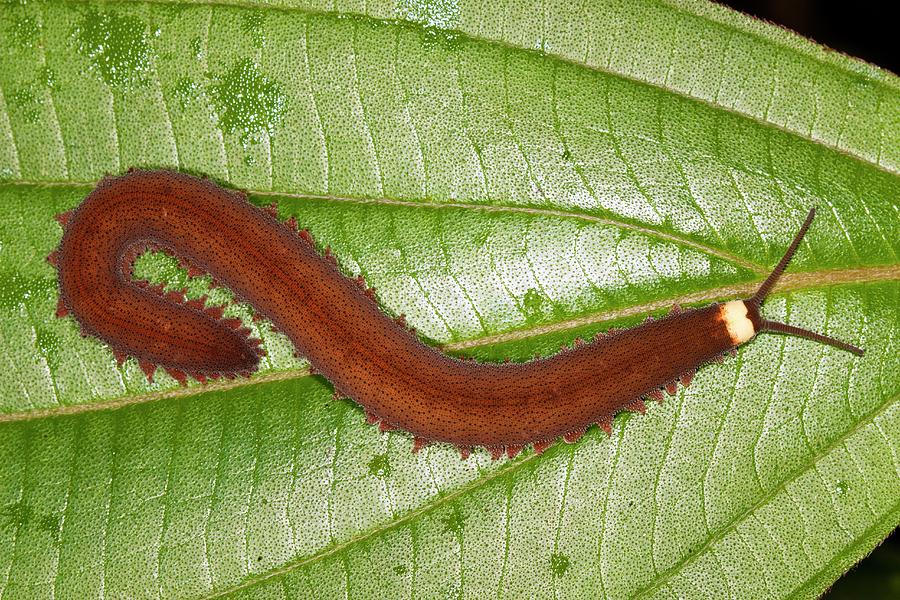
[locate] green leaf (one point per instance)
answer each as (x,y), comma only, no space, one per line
(511,176)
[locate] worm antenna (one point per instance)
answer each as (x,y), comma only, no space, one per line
(760,296)
(777,327)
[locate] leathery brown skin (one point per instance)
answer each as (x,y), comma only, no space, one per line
(333,321)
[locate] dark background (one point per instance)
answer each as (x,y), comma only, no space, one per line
(858,28)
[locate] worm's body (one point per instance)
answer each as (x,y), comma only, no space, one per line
(333,321)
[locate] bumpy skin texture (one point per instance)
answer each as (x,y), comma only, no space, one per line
(333,321)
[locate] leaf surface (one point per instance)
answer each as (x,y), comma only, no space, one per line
(510,177)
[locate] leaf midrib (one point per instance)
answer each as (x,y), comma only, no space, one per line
(788,283)
(515,466)
(888,77)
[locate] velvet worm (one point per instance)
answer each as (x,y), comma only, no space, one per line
(335,323)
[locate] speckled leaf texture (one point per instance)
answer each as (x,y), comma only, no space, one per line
(511,175)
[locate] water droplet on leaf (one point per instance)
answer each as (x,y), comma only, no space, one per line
(117,46)
(559,564)
(380,466)
(247,101)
